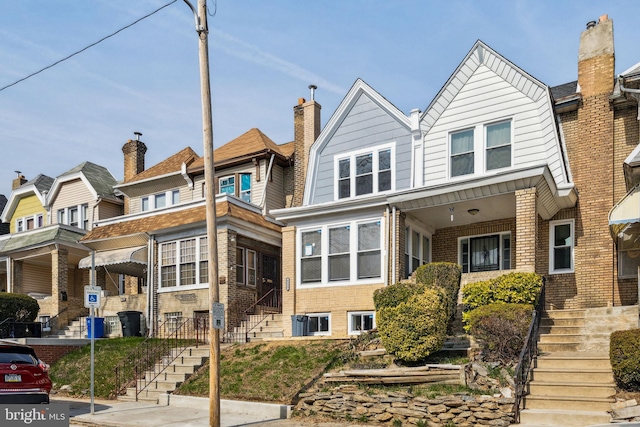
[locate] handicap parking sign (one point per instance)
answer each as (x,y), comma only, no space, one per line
(92,296)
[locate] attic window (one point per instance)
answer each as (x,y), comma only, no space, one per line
(364,172)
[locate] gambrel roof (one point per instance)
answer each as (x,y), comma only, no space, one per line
(98,180)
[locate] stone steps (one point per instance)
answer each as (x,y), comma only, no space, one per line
(572,383)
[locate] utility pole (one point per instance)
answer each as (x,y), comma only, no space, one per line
(200,16)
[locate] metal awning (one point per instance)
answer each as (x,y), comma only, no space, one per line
(130,261)
(625,213)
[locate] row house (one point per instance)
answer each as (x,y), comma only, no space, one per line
(500,173)
(47,217)
(158,248)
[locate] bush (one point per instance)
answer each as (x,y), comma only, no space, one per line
(514,288)
(395,294)
(624,353)
(20,307)
(502,326)
(415,328)
(445,275)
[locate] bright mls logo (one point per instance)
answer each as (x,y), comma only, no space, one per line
(54,415)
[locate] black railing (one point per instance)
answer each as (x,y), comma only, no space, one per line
(152,356)
(52,325)
(528,354)
(253,317)
(11,328)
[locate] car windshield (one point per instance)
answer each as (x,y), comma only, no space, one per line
(13,357)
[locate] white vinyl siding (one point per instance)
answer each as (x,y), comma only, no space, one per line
(73,194)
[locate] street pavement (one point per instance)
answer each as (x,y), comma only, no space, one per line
(113,413)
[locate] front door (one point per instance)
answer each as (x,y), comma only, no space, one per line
(270,281)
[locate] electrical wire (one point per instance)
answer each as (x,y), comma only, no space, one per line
(87,47)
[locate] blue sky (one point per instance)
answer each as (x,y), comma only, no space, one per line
(263,55)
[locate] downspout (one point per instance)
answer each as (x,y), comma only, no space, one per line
(393,245)
(150,287)
(264,189)
(185,175)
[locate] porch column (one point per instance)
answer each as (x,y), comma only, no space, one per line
(59,279)
(526,229)
(16,277)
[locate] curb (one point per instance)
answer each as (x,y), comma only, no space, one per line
(240,407)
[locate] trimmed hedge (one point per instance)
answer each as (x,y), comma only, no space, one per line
(624,354)
(445,275)
(22,308)
(514,288)
(415,328)
(503,326)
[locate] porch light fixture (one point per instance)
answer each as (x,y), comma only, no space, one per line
(451,212)
(473,211)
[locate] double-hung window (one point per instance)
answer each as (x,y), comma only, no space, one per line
(245,187)
(364,172)
(228,185)
(160,200)
(75,216)
(417,251)
(462,154)
(183,263)
(238,185)
(561,244)
(246,266)
(353,254)
(498,153)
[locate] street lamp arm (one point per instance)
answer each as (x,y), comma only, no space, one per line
(199,27)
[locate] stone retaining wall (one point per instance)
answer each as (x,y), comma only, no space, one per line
(354,404)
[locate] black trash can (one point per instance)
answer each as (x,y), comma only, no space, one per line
(299,325)
(130,321)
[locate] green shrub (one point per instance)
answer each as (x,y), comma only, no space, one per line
(624,353)
(415,328)
(395,294)
(20,307)
(515,288)
(502,326)
(445,275)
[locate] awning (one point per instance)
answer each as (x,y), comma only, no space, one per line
(625,213)
(130,261)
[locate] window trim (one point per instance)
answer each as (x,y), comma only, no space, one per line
(82,210)
(152,205)
(319,315)
(501,236)
(177,262)
(487,149)
(572,245)
(375,171)
(408,247)
(353,253)
(350,325)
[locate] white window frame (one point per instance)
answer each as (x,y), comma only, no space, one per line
(319,316)
(82,210)
(244,266)
(488,149)
(171,198)
(479,148)
(355,330)
(178,261)
(20,225)
(376,171)
(353,252)
(424,258)
(625,261)
(571,245)
(224,179)
(245,194)
(503,258)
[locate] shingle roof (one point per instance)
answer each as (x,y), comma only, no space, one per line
(251,142)
(40,237)
(564,90)
(41,183)
(98,176)
(171,164)
(155,223)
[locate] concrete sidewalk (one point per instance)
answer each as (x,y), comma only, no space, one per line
(181,411)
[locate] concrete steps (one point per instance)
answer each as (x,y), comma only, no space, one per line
(171,375)
(270,327)
(572,383)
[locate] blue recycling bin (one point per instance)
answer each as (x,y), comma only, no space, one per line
(98,331)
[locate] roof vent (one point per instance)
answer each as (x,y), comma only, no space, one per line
(591,24)
(313,90)
(138,135)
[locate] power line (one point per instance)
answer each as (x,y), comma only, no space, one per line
(87,47)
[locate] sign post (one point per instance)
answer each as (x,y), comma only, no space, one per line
(92,299)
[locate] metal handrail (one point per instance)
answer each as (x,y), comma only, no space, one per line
(151,357)
(51,321)
(528,354)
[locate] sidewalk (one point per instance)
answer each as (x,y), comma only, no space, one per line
(182,411)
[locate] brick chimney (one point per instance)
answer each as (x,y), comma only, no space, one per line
(18,181)
(134,152)
(306,122)
(596,61)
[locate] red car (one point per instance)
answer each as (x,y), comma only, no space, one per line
(23,377)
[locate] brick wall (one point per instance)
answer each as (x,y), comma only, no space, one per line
(526,230)
(50,353)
